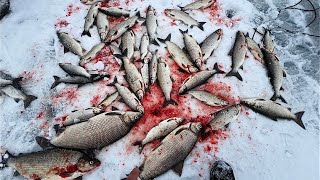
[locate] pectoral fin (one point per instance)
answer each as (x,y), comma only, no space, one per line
(178,168)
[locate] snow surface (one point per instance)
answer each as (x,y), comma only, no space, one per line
(256,147)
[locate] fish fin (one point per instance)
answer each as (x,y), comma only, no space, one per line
(16,173)
(59,129)
(137,143)
(227,125)
(216,67)
(230,52)
(275,119)
(247,35)
(44,143)
(78,178)
(180,7)
(65,50)
(29,99)
(155,42)
(284,73)
(56,82)
(115,81)
(183,32)
(241,67)
(80,85)
(166,103)
(298,119)
(201,25)
(236,74)
(281,88)
(16,100)
(114,108)
(181,70)
(16,82)
(168,38)
(178,168)
(86,33)
(289,109)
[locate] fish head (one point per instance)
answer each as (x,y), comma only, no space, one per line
(131,117)
(96,110)
(86,163)
(196,127)
(220,32)
(151,9)
(168,12)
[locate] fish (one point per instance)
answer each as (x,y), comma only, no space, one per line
(145,71)
(81,115)
(208,98)
(121,28)
(193,48)
(238,54)
(162,129)
(90,18)
(268,41)
(55,163)
(74,70)
(128,97)
(18,95)
(70,44)
(184,17)
(153,67)
(273,110)
(115,11)
(14,82)
(128,43)
(198,78)
(165,81)
(275,72)
(254,48)
(179,56)
(102,25)
(200,4)
(79,80)
(96,133)
(211,43)
(152,24)
(144,45)
(95,50)
(108,100)
(221,119)
(171,152)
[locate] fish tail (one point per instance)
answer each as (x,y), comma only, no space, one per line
(56,82)
(16,82)
(201,25)
(155,42)
(115,81)
(183,32)
(167,102)
(43,142)
(28,101)
(236,74)
(139,144)
(168,38)
(216,67)
(282,99)
(298,119)
(86,33)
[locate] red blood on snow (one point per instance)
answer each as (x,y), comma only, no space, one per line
(95,100)
(61,23)
(69,95)
(40,115)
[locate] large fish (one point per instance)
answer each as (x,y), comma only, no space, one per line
(102,25)
(128,43)
(275,72)
(165,81)
(70,44)
(200,4)
(238,54)
(193,48)
(18,95)
(211,43)
(14,82)
(98,132)
(79,80)
(145,71)
(115,11)
(273,110)
(91,54)
(254,48)
(268,41)
(81,115)
(90,18)
(57,164)
(144,44)
(198,78)
(74,70)
(108,100)
(222,118)
(171,152)
(208,98)
(153,67)
(151,23)
(184,17)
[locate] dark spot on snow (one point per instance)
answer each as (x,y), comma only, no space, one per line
(230,13)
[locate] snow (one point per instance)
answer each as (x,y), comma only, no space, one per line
(255,146)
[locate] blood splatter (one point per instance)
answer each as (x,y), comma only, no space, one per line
(27,75)
(95,100)
(67,95)
(71,9)
(61,23)
(40,115)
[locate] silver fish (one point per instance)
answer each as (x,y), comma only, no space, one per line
(102,25)
(200,4)
(90,18)
(144,45)
(273,110)
(153,67)
(18,95)
(115,11)
(108,100)
(254,48)
(74,70)
(211,43)
(238,55)
(79,80)
(172,151)
(81,115)
(198,79)
(193,49)
(208,98)
(91,54)
(184,17)
(151,23)
(268,41)
(128,44)
(222,118)
(145,71)
(14,82)
(70,44)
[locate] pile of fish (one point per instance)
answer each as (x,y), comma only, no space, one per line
(67,155)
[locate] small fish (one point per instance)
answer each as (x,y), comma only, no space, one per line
(165,81)
(108,100)
(198,78)
(222,118)
(162,129)
(153,67)
(102,25)
(79,80)
(184,17)
(74,70)
(14,82)
(211,43)
(254,48)
(115,11)
(128,43)
(200,4)
(275,72)
(95,50)
(81,115)
(145,71)
(128,97)
(268,41)
(238,55)
(70,44)
(144,45)
(193,48)
(18,95)
(90,18)
(273,110)
(152,24)
(208,98)
(51,164)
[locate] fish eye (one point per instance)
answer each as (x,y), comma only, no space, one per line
(91,162)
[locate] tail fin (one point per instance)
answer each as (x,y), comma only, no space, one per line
(201,25)
(139,143)
(56,82)
(44,143)
(183,32)
(236,74)
(216,67)
(16,82)
(275,97)
(86,33)
(155,42)
(166,103)
(115,81)
(298,119)
(168,38)
(29,99)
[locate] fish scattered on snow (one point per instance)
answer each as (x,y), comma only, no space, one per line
(102,25)
(90,18)
(128,43)
(211,43)
(153,67)
(254,48)
(91,54)
(144,44)
(200,4)
(18,95)
(108,100)
(184,17)
(81,115)
(70,44)
(193,48)
(151,23)
(273,110)
(208,98)
(145,71)
(115,11)
(79,80)
(74,70)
